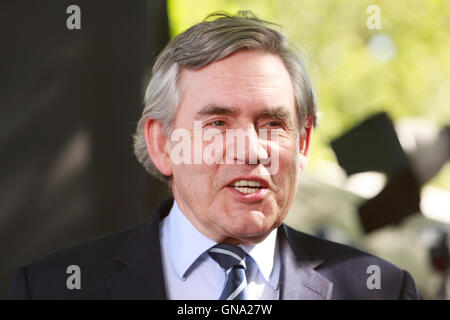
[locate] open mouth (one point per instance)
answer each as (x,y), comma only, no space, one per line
(247,186)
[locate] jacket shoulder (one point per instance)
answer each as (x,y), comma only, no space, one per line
(355,273)
(47,277)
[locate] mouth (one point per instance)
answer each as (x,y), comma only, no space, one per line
(247,186)
(251,189)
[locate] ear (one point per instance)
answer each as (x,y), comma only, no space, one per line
(305,143)
(157,147)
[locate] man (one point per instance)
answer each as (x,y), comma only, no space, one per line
(228,119)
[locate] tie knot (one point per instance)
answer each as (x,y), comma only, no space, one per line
(228,255)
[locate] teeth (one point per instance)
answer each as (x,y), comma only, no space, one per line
(245,183)
(247,190)
(253,183)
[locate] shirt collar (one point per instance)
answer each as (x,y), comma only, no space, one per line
(263,254)
(185,244)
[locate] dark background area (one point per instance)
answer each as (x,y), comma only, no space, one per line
(69,102)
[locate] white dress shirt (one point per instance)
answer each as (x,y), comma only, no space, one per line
(191,274)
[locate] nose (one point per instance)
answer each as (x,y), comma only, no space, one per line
(250,147)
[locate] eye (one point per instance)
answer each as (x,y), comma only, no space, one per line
(218,123)
(273,124)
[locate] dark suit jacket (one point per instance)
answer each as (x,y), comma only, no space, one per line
(127,265)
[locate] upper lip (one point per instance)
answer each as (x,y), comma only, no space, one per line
(264,182)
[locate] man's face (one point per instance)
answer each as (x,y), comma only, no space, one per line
(248,90)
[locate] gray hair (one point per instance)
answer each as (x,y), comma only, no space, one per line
(208,42)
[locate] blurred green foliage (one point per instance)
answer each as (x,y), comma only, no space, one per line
(351,81)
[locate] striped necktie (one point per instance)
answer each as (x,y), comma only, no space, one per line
(231,258)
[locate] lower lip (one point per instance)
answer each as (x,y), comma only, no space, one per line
(249,197)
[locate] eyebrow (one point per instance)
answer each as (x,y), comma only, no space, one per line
(214,109)
(277,113)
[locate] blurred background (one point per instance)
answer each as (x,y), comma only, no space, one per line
(378,177)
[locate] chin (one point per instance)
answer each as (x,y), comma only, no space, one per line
(245,222)
(251,228)
(250,238)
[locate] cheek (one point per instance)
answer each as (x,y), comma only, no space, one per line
(289,157)
(195,179)
(289,170)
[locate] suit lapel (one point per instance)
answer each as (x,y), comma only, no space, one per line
(142,276)
(299,280)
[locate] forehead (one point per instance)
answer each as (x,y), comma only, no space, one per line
(246,78)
